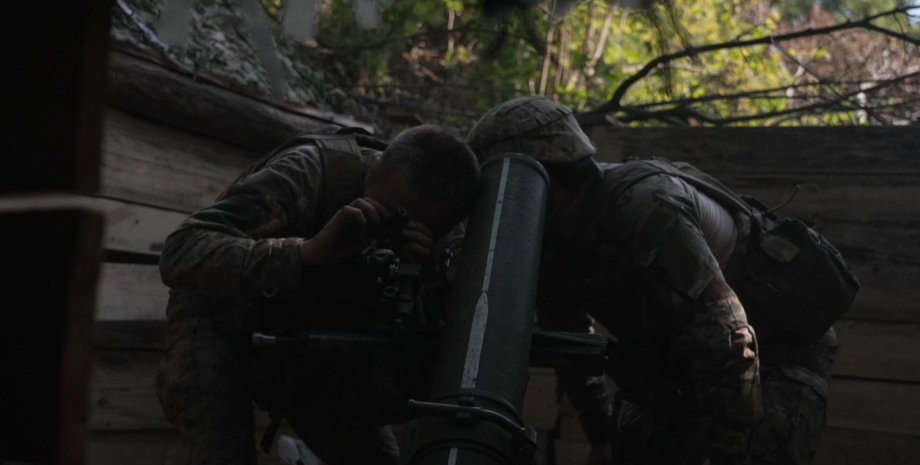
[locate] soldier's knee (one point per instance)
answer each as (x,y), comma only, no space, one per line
(788,433)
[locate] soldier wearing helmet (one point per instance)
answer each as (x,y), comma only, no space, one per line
(639,249)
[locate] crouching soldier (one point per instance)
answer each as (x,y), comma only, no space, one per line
(723,311)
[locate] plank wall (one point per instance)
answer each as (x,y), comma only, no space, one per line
(859,187)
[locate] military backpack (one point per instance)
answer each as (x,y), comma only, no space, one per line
(790,277)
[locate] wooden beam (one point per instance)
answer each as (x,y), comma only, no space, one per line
(136,228)
(878,350)
(149,163)
(129,335)
(157,447)
(123,394)
(841,446)
(157,93)
(129,227)
(51,263)
(885,257)
(815,150)
(874,406)
(130,292)
(822,197)
(57,86)
(541,400)
(134,292)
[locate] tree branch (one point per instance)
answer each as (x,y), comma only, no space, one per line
(639,114)
(750,94)
(614,103)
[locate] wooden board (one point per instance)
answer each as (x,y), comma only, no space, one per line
(541,401)
(131,292)
(129,227)
(136,228)
(50,266)
(175,99)
(821,197)
(878,350)
(137,335)
(131,299)
(153,447)
(840,446)
(123,392)
(150,163)
(874,406)
(857,150)
(123,395)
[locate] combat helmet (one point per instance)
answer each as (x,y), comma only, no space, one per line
(533,125)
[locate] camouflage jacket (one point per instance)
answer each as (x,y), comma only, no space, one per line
(245,245)
(636,257)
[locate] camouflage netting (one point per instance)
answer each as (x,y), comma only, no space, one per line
(220,48)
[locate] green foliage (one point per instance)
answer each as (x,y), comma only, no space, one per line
(843,9)
(272,7)
(442,55)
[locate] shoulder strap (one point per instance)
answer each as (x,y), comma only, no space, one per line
(705,183)
(708,185)
(340,142)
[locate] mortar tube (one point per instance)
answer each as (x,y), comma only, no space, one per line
(485,351)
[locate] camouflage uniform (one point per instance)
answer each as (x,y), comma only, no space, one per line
(637,256)
(233,268)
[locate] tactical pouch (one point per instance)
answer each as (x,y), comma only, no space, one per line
(795,281)
(791,279)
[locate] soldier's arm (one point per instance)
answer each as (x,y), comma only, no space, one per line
(244,243)
(714,341)
(720,349)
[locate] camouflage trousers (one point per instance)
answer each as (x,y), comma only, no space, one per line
(208,383)
(794,380)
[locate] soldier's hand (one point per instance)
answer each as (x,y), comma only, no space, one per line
(349,231)
(418,241)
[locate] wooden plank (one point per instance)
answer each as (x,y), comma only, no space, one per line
(131,292)
(872,220)
(889,292)
(51,263)
(58,91)
(150,163)
(129,335)
(136,228)
(826,196)
(182,101)
(869,350)
(129,227)
(123,392)
(886,259)
(155,447)
(541,401)
(878,350)
(125,409)
(840,446)
(857,150)
(874,406)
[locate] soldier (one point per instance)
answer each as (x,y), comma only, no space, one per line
(263,257)
(654,256)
